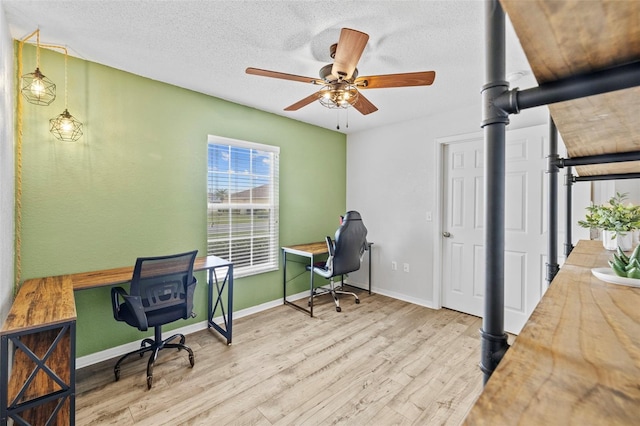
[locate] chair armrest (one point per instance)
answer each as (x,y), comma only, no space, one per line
(115,301)
(330,246)
(134,304)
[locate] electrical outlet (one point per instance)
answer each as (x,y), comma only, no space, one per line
(406,267)
(394,265)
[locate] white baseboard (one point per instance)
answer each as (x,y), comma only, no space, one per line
(110,353)
(405,298)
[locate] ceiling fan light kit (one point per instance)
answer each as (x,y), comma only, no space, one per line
(340,81)
(338,95)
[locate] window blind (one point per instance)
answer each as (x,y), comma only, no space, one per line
(242,204)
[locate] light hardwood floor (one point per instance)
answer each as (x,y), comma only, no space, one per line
(382,362)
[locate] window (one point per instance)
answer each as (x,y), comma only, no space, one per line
(242,217)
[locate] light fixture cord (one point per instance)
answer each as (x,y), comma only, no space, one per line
(38,48)
(65,78)
(18,182)
(18,159)
(66,55)
(18,156)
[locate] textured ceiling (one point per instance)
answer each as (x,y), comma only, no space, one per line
(206,46)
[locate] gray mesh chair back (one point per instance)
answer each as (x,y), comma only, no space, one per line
(164,282)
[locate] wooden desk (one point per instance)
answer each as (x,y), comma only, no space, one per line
(311,251)
(109,277)
(41,326)
(577,359)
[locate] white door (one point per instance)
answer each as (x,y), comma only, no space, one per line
(463,259)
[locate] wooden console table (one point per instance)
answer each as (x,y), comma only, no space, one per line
(39,388)
(577,359)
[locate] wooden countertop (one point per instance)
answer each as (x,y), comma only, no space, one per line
(41,301)
(317,248)
(577,360)
(50,300)
(114,276)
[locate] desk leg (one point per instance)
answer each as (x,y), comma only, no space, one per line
(4,377)
(284,286)
(230,304)
(311,273)
(369,269)
(227,317)
(369,286)
(284,277)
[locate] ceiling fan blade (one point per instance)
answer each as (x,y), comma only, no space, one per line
(303,102)
(363,105)
(348,52)
(423,78)
(281,75)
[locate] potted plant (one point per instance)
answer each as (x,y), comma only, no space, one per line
(617,220)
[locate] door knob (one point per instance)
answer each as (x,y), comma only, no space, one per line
(446,234)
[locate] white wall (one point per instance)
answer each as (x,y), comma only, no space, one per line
(6,168)
(630,187)
(391,178)
(604,190)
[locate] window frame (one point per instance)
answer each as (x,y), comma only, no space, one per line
(272,262)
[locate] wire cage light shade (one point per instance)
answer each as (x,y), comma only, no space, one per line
(37,89)
(65,127)
(338,95)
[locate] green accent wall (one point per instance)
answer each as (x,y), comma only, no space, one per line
(135,184)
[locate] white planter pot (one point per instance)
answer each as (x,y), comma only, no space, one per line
(625,241)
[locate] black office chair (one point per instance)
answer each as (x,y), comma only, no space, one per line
(161,292)
(345,255)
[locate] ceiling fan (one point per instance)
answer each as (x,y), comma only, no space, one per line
(340,82)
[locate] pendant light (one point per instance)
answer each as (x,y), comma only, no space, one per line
(65,127)
(35,87)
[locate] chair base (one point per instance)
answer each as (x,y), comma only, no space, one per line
(154,346)
(334,293)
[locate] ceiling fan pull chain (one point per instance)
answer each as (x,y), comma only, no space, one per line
(347,117)
(338,119)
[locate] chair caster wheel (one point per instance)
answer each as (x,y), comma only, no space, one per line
(149,381)
(357,301)
(338,309)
